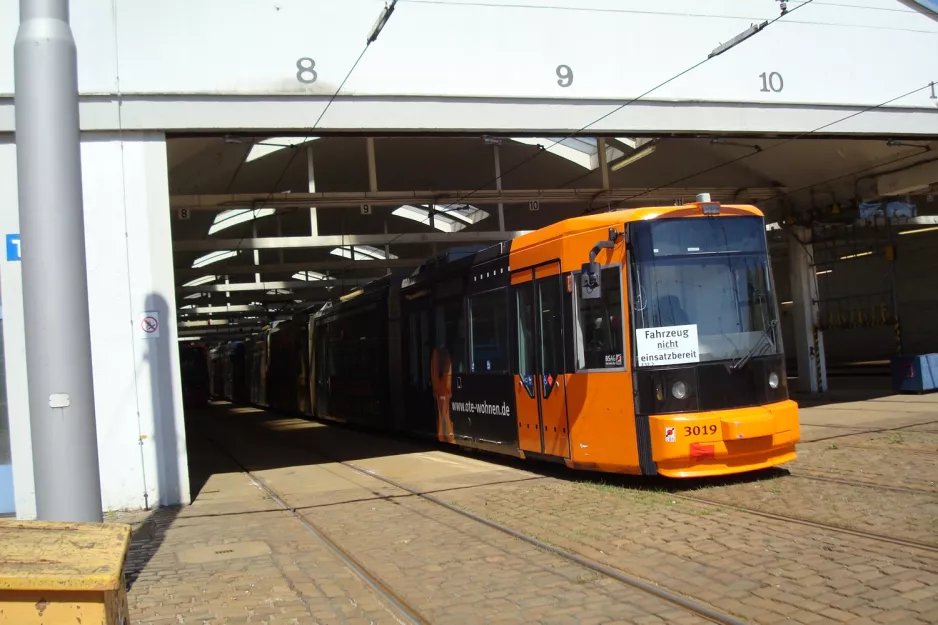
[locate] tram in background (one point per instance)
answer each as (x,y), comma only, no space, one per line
(638,341)
(228,372)
(193,365)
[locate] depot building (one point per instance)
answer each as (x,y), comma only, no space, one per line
(242,173)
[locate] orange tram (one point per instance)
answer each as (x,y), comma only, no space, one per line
(640,341)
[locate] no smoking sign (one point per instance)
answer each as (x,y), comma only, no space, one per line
(148,325)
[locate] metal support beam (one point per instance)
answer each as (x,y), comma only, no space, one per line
(275,243)
(256,297)
(58,355)
(808,337)
(257,254)
(372,166)
(311,176)
(250,310)
(235,308)
(292,268)
(643,195)
(603,161)
(387,246)
(292,285)
(193,334)
(279,248)
(498,187)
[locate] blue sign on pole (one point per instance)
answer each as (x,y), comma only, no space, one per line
(13,247)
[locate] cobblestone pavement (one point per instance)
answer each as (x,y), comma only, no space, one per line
(768,571)
(449,568)
(235,557)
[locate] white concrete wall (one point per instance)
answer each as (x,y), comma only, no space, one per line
(14,339)
(496,64)
(129,256)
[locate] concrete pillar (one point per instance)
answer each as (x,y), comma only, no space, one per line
(808,339)
(372,166)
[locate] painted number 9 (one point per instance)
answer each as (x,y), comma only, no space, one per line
(564,75)
(305,70)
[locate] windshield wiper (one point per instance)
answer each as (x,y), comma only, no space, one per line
(752,350)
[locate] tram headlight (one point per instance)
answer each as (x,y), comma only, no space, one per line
(679,390)
(773,380)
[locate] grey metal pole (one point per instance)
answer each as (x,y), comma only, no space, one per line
(55,285)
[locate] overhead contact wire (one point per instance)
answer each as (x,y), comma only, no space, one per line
(460,200)
(804,134)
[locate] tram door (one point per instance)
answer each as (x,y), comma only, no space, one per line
(540,386)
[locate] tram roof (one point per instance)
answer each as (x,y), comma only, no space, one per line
(585,223)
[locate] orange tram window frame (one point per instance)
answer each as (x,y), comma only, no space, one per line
(639,341)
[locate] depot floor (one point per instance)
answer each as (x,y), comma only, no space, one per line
(847,533)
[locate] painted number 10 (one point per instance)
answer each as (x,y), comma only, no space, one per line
(772,82)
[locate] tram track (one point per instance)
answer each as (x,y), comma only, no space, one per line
(859,431)
(910,450)
(861,483)
(814,524)
(406,612)
(410,614)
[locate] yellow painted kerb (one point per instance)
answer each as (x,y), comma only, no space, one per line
(48,556)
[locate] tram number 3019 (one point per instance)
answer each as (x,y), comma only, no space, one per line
(698,430)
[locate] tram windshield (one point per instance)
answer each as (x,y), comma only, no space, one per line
(701,290)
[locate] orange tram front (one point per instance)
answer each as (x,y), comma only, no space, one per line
(640,341)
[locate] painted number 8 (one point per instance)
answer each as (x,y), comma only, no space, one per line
(305,70)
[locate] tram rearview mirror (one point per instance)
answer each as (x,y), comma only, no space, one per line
(590,281)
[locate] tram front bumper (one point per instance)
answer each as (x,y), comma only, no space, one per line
(723,442)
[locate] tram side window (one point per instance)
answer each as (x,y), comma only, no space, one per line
(488,332)
(451,332)
(599,341)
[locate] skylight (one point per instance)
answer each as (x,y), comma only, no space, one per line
(309,276)
(362,252)
(584,151)
(275,144)
(213,257)
(201,281)
(229,218)
(445,218)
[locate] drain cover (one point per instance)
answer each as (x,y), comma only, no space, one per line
(199,555)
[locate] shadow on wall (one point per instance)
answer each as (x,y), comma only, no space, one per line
(159,353)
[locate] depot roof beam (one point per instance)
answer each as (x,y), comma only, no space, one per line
(253,308)
(292,268)
(292,285)
(917,178)
(256,315)
(237,308)
(194,334)
(267,299)
(490,196)
(218,327)
(336,240)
